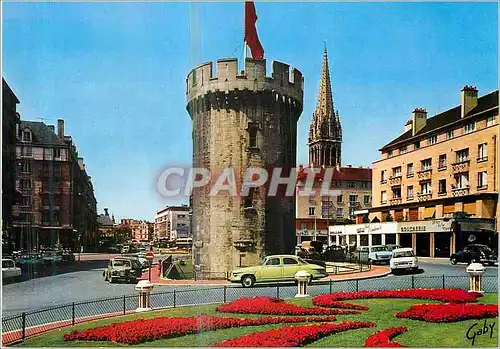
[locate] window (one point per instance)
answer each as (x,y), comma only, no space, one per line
(57,153)
(25,183)
(396,172)
(432,140)
(389,153)
(426,164)
(47,154)
(25,201)
(364,185)
(462,181)
(339,198)
(366,199)
(325,209)
(416,145)
(303,226)
(26,167)
(26,136)
(462,155)
(252,136)
(403,150)
(289,261)
(353,198)
(425,188)
(470,127)
(27,151)
(409,170)
(442,161)
(383,197)
(396,193)
(351,184)
(482,152)
(311,211)
(57,170)
(442,186)
(382,176)
(409,193)
(449,134)
(340,212)
(490,121)
(482,179)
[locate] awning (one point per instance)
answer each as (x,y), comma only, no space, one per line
(429,212)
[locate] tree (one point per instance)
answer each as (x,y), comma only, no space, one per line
(366,219)
(389,218)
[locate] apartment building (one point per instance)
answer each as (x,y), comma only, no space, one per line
(140,229)
(57,205)
(440,177)
(172,222)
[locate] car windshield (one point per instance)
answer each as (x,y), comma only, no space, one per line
(379,248)
(400,254)
(122,263)
(485,249)
(136,264)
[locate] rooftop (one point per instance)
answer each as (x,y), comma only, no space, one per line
(42,134)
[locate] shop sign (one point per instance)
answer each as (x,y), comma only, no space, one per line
(305,232)
(431,226)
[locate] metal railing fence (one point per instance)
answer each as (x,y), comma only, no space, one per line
(18,327)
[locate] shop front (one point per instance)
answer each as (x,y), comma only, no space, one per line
(429,238)
(475,231)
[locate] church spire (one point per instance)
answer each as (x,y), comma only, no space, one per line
(325,133)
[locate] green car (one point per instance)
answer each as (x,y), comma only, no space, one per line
(276,268)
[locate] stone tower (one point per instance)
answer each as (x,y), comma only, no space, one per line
(325,132)
(242,120)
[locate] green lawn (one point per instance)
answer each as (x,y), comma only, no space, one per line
(419,334)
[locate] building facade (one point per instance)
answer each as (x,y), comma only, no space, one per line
(172,222)
(10,196)
(140,229)
(442,168)
(57,205)
(242,120)
(315,213)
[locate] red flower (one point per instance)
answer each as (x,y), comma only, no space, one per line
(275,306)
(292,336)
(147,330)
(449,312)
(382,339)
(443,295)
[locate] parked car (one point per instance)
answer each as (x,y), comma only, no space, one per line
(334,253)
(125,249)
(30,259)
(375,254)
(392,247)
(127,269)
(52,256)
(68,256)
(403,259)
(276,268)
(140,258)
(9,269)
(475,253)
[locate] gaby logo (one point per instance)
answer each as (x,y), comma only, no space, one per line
(475,331)
(176,181)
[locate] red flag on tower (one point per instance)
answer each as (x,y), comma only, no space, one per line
(251,37)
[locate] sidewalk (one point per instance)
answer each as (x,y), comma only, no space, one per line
(376,271)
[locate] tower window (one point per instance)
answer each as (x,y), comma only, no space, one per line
(252,136)
(249,198)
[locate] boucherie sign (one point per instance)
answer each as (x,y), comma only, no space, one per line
(431,226)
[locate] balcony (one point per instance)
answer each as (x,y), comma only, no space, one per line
(460,191)
(395,180)
(409,198)
(424,196)
(395,201)
(459,167)
(482,159)
(442,168)
(425,174)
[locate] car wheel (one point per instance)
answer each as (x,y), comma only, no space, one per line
(394,271)
(453,260)
(111,280)
(248,281)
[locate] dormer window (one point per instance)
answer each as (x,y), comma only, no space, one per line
(26,136)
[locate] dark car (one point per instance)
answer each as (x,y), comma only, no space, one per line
(475,253)
(334,253)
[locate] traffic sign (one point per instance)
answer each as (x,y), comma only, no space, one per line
(150,256)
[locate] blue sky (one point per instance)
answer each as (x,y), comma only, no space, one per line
(116,73)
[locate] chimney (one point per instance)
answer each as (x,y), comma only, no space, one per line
(408,125)
(106,212)
(60,128)
(81,164)
(52,128)
(419,119)
(469,99)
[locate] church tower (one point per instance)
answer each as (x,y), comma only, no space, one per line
(325,132)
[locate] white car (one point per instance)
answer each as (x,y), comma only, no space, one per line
(9,269)
(403,259)
(375,254)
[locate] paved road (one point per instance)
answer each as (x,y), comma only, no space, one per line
(89,284)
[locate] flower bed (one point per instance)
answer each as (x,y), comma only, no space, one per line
(326,301)
(443,295)
(144,330)
(449,312)
(275,306)
(292,336)
(383,339)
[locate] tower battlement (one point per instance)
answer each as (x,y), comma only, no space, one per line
(283,80)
